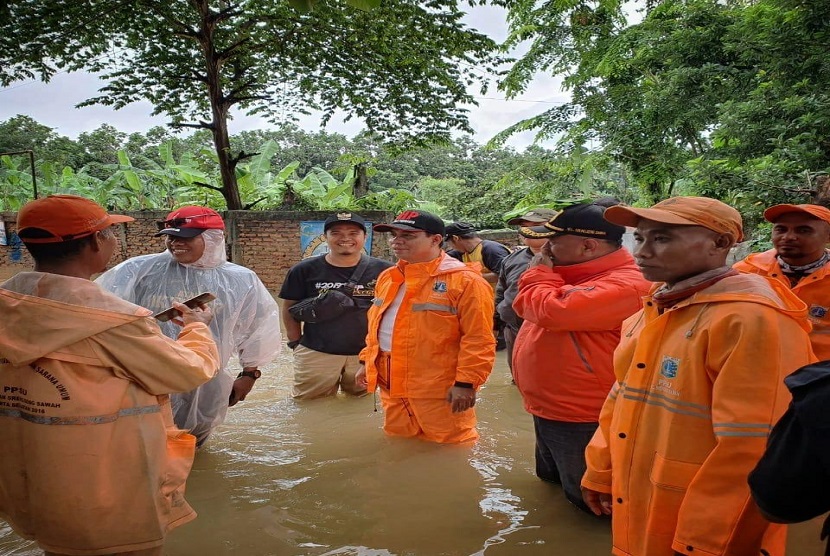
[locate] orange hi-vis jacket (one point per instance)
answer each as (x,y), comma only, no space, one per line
(92,463)
(443,331)
(813,289)
(563,355)
(699,388)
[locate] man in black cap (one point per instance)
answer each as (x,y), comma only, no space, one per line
(468,247)
(512,267)
(429,346)
(573,299)
(325,353)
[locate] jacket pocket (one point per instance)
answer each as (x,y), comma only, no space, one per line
(669,481)
(181,450)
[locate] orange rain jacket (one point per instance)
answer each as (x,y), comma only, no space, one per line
(92,463)
(813,289)
(563,355)
(698,390)
(443,331)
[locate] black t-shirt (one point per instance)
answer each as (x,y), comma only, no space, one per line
(345,335)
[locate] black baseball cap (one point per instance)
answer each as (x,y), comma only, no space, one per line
(459,229)
(414,220)
(584,219)
(344,217)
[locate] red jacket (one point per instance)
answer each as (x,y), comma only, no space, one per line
(563,355)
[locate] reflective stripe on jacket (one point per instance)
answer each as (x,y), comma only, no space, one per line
(563,355)
(92,463)
(443,330)
(699,388)
(813,289)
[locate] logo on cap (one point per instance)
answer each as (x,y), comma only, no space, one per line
(407,216)
(344,215)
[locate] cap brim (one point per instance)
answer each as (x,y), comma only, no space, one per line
(120,218)
(519,219)
(772,213)
(629,216)
(390,227)
(537,232)
(180,232)
(352,222)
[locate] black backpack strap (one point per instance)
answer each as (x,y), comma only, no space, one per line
(358,273)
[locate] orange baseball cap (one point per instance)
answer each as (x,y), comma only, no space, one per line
(815,211)
(683,211)
(63,218)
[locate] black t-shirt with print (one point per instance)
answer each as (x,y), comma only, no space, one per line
(345,335)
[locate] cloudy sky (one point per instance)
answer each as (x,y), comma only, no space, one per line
(53,103)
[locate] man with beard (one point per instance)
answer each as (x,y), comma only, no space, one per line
(325,353)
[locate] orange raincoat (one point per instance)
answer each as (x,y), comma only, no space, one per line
(813,289)
(92,463)
(699,388)
(443,330)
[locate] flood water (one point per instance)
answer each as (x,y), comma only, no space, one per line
(319,478)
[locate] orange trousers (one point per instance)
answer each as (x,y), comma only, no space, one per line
(424,418)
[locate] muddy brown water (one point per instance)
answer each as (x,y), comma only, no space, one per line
(319,478)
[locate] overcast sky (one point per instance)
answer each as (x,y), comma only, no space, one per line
(53,103)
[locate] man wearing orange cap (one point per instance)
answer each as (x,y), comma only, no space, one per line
(700,381)
(800,261)
(92,463)
(246,321)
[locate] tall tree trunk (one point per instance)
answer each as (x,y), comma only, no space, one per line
(361,181)
(218,107)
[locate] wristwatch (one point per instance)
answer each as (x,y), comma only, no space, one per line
(255,374)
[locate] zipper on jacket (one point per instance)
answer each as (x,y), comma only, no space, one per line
(579,352)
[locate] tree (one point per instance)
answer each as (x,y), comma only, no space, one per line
(725,99)
(404,67)
(23,133)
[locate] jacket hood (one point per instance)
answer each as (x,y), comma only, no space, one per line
(752,288)
(41,313)
(765,260)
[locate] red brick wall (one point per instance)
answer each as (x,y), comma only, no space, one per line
(266,242)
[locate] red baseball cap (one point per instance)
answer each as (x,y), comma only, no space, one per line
(815,211)
(63,218)
(190,221)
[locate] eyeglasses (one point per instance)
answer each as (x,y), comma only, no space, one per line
(178,222)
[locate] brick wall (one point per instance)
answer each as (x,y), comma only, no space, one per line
(267,242)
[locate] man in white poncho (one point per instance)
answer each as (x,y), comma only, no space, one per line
(246,317)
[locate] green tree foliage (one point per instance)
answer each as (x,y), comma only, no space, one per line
(404,68)
(727,99)
(300,170)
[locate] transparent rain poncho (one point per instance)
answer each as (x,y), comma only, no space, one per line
(245,322)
